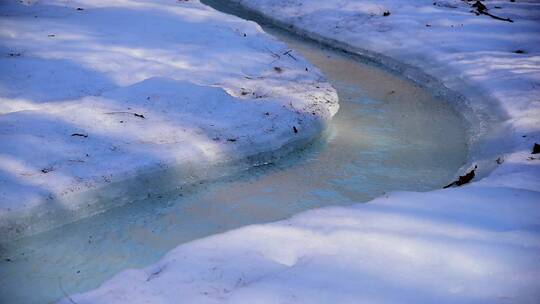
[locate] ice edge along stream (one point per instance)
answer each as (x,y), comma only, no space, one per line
(390,134)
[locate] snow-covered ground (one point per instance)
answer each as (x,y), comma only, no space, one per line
(453,246)
(475,244)
(104,102)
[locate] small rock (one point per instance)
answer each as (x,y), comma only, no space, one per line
(47,170)
(536,149)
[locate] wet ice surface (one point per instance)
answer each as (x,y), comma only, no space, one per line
(388,135)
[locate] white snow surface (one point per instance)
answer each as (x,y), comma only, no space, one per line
(103,102)
(478,243)
(454,246)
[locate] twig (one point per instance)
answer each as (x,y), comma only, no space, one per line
(155,273)
(80,134)
(288,53)
(482,9)
(124,112)
(273,55)
(253,77)
(496,17)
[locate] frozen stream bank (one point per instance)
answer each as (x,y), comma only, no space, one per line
(473,244)
(104,103)
(388,135)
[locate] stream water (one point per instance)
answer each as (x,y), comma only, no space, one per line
(389,134)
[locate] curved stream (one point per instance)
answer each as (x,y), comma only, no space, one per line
(388,135)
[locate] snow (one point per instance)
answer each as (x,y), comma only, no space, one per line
(473,244)
(106,102)
(439,247)
(470,59)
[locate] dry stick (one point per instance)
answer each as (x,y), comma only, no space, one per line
(253,77)
(124,112)
(288,53)
(79,134)
(273,55)
(155,273)
(496,17)
(482,9)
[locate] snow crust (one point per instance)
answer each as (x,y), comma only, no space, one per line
(474,244)
(105,102)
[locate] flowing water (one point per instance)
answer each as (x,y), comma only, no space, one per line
(389,134)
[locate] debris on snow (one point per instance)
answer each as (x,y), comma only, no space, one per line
(536,149)
(481,9)
(79,134)
(463,179)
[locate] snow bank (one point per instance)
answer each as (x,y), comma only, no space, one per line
(453,246)
(488,68)
(474,244)
(105,102)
